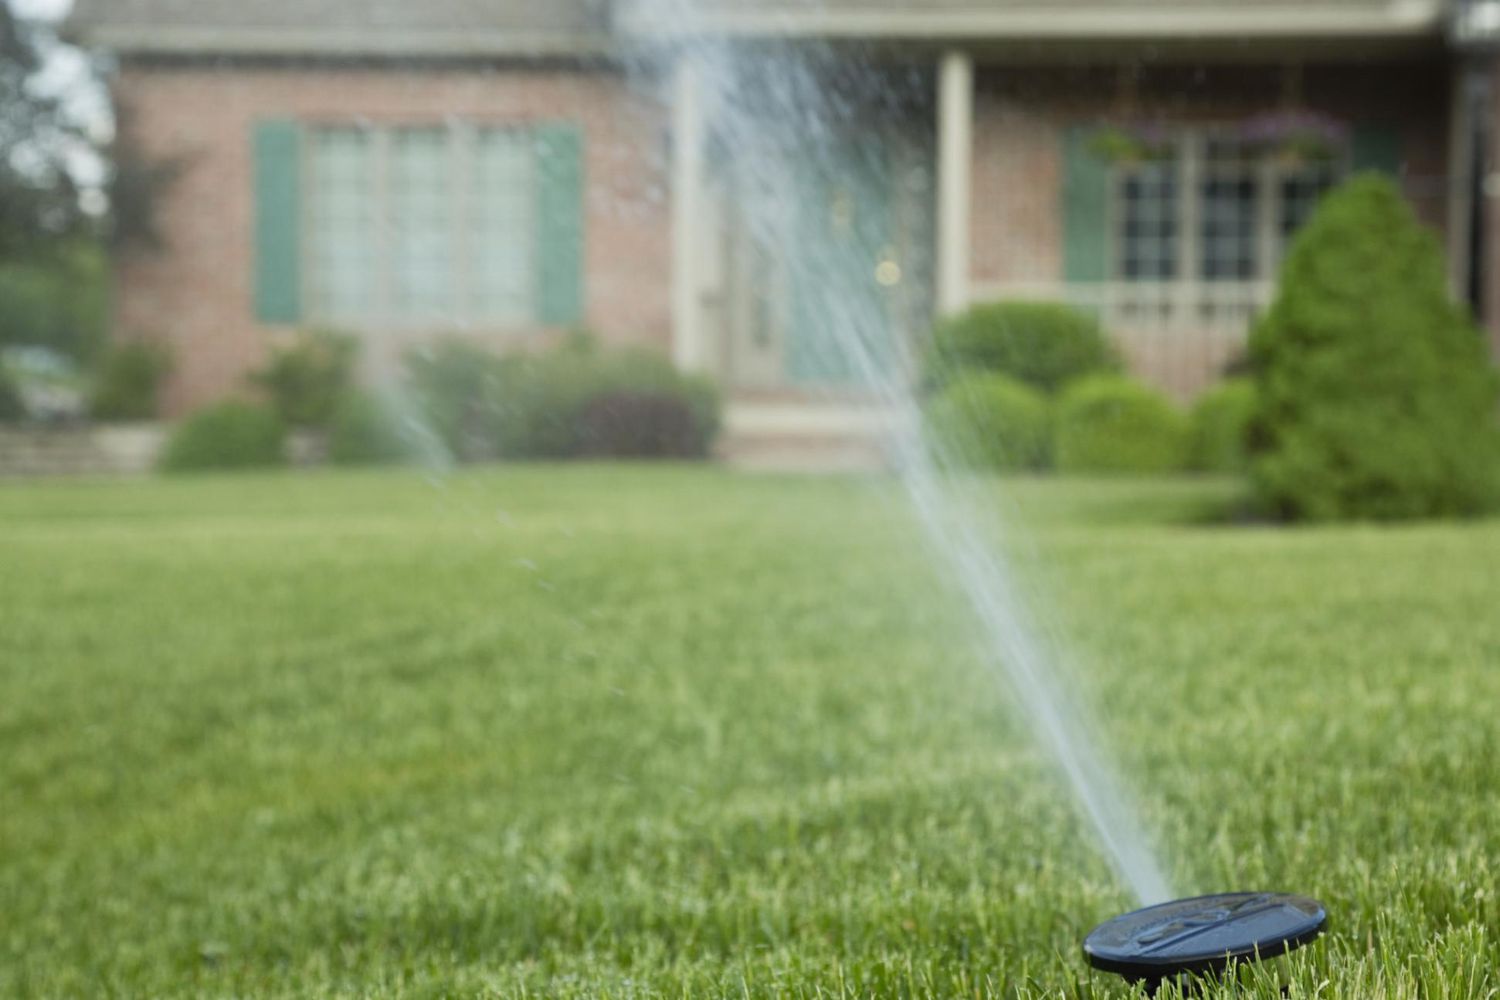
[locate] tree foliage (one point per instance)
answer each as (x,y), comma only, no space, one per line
(39,204)
(1375,393)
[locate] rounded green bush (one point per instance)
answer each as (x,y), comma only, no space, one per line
(365,432)
(988,421)
(230,435)
(1043,344)
(1221,426)
(1375,395)
(1110,423)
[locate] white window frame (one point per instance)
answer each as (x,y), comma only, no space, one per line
(462,143)
(1188,300)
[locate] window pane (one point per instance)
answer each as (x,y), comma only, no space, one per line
(503,233)
(341,239)
(1148,223)
(1229,200)
(421,189)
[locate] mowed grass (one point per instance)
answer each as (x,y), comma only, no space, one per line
(670,732)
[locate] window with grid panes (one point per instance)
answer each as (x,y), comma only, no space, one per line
(1148,222)
(1228,196)
(422,226)
(342,225)
(1209,211)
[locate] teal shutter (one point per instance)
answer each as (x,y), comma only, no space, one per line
(1376,147)
(1085,209)
(278,215)
(559,225)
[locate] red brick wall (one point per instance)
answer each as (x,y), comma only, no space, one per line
(196,294)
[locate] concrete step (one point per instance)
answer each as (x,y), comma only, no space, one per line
(808,437)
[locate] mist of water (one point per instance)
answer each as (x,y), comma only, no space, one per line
(779,119)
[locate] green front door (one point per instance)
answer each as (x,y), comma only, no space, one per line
(841,264)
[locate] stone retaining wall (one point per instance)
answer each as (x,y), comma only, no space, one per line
(106,450)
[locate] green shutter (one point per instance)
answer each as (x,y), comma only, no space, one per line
(1085,209)
(278,216)
(560,225)
(1378,148)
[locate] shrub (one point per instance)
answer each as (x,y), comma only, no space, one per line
(1375,395)
(365,432)
(1109,423)
(634,424)
(990,421)
(306,379)
(553,404)
(127,383)
(452,386)
(230,435)
(1043,344)
(1221,426)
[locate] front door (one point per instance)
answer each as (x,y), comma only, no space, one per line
(828,249)
(839,259)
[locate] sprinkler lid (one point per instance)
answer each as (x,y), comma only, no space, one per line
(1203,934)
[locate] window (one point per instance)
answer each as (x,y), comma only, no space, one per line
(1201,228)
(1148,246)
(422,226)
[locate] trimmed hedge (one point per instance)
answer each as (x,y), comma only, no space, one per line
(576,400)
(231,435)
(1375,393)
(1043,344)
(989,421)
(1221,427)
(1110,423)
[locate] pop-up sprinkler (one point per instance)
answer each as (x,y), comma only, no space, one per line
(1203,936)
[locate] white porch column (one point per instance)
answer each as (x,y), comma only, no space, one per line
(955,156)
(687,213)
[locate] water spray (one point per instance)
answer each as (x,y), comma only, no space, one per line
(778,119)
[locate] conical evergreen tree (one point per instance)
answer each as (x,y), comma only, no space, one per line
(1376,394)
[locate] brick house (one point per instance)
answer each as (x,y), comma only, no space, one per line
(505,169)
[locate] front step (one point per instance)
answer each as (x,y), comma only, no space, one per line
(805,437)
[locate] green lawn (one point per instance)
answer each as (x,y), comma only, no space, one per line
(674,732)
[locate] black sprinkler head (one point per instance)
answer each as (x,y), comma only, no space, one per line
(1203,935)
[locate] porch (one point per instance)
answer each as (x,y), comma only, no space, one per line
(1176,253)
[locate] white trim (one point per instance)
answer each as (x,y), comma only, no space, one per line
(955,163)
(176,40)
(1392,18)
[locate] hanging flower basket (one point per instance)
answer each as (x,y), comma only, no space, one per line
(1296,137)
(1130,144)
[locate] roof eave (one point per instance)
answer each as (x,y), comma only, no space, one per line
(1039,22)
(300,43)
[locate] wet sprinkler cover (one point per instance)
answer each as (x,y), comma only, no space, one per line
(1203,934)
